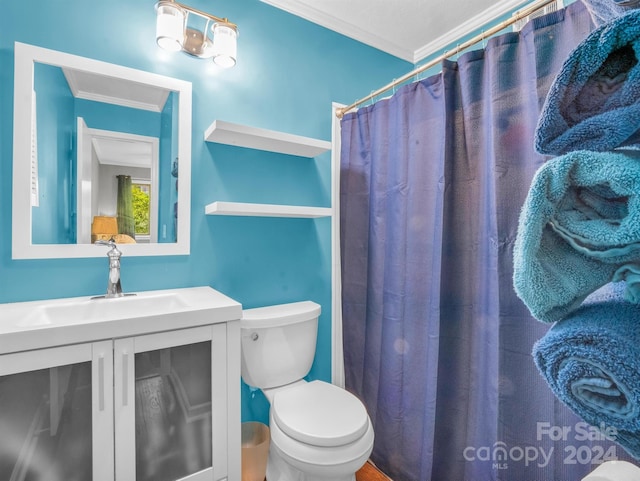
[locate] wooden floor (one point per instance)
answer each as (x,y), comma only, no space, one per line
(369,472)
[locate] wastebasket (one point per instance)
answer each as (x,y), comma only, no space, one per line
(255,451)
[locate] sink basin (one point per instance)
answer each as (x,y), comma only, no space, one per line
(56,322)
(92,309)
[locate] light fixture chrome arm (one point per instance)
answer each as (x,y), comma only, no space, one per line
(216,38)
(199,12)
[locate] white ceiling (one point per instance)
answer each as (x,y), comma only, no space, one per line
(123,152)
(408,29)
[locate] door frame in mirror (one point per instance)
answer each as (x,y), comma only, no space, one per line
(86,139)
(26,56)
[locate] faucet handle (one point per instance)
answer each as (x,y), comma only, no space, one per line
(103,242)
(114,251)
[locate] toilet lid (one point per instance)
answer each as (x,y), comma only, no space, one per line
(320,414)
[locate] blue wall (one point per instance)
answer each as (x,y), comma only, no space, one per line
(289,72)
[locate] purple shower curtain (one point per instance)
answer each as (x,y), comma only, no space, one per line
(436,343)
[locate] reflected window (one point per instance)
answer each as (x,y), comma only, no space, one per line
(141,192)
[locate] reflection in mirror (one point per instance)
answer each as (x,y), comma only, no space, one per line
(103,158)
(96,150)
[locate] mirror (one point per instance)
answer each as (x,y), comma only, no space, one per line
(98,149)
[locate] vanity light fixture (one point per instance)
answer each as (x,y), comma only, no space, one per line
(199,34)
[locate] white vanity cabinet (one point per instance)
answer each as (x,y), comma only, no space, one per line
(159,404)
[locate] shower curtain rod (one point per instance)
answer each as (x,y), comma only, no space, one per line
(478,38)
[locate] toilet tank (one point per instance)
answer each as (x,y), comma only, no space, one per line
(278,343)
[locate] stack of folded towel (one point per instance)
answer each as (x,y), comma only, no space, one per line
(579,228)
(594,102)
(591,361)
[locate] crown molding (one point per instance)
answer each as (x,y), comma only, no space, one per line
(472,25)
(485,19)
(345,28)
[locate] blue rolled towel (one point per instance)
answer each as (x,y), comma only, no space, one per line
(594,101)
(579,228)
(603,11)
(591,361)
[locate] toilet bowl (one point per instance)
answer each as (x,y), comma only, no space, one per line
(319,431)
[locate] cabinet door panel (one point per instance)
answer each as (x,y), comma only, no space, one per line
(166,400)
(46,428)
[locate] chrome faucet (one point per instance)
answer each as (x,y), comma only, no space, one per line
(114,288)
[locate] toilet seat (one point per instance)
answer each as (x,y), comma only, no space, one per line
(331,461)
(320,414)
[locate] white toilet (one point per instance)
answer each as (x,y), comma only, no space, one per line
(319,431)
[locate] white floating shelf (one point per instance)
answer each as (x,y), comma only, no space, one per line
(266,210)
(228,133)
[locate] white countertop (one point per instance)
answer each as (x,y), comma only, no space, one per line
(56,322)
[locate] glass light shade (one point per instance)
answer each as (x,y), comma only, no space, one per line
(170,27)
(225,45)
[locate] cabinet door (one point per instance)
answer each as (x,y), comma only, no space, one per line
(169,390)
(56,414)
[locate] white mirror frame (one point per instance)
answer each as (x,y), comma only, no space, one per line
(23,115)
